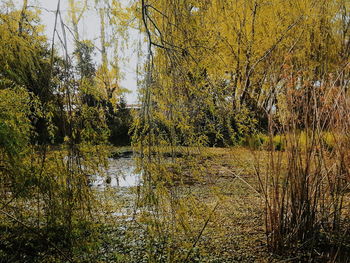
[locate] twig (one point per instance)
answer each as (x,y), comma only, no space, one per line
(201,232)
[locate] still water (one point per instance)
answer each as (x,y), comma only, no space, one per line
(121,173)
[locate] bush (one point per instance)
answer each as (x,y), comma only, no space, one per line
(256,141)
(328,140)
(262,141)
(279,142)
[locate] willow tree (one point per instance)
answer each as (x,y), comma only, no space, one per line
(229,55)
(221,70)
(44,191)
(107,76)
(178,105)
(76,12)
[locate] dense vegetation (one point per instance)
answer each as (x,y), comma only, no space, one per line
(267,81)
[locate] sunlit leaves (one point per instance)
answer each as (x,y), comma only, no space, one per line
(15,125)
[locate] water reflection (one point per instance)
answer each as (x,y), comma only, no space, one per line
(121,173)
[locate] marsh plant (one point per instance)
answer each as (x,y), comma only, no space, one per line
(305,184)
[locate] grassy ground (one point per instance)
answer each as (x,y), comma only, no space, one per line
(234,232)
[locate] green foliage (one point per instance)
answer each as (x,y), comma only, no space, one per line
(85,65)
(263,142)
(257,141)
(25,61)
(15,125)
(45,189)
(94,128)
(329,140)
(119,123)
(24,57)
(279,142)
(218,73)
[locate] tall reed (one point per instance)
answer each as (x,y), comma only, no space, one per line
(305,186)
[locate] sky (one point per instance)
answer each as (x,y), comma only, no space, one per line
(89,29)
